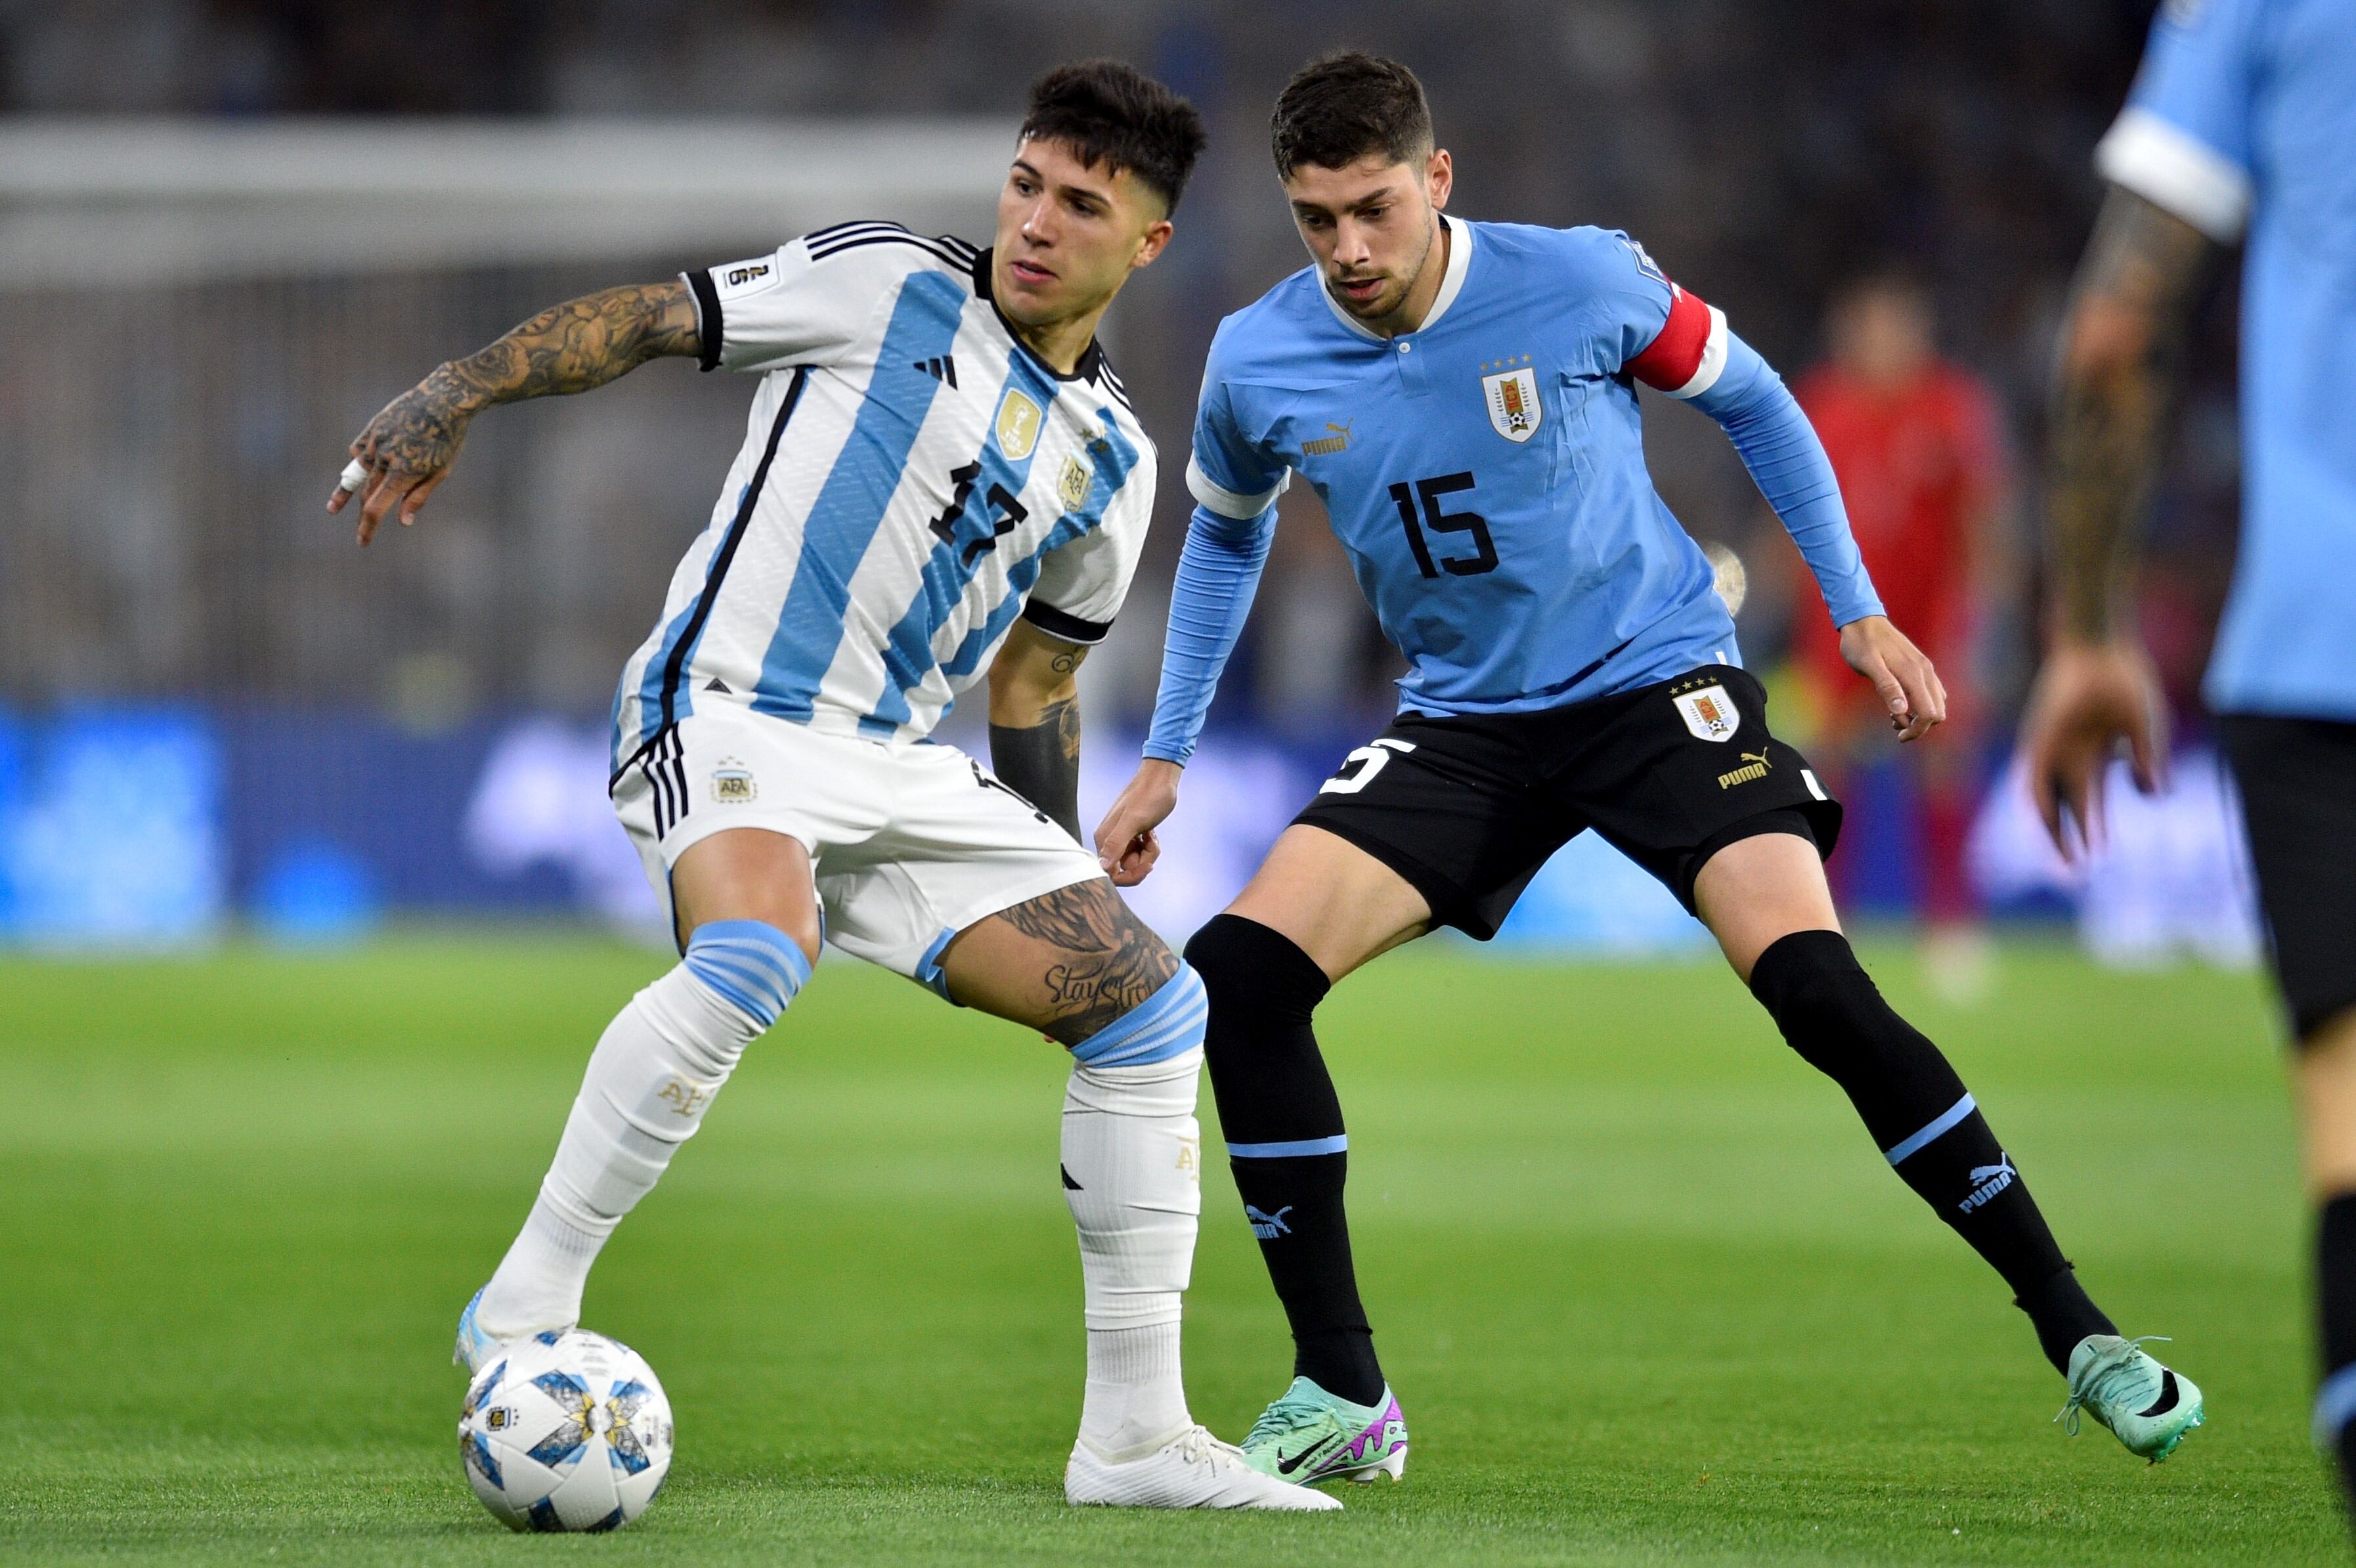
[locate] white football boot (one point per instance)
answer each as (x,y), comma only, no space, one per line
(1192,1470)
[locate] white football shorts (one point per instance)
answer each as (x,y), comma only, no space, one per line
(910,843)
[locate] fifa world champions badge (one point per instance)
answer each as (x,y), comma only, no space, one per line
(1515,411)
(1709,712)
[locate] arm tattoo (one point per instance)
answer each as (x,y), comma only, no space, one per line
(1040,762)
(1107,960)
(569,347)
(2123,347)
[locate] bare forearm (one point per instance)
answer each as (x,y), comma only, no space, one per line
(569,348)
(1041,761)
(2122,349)
(575,345)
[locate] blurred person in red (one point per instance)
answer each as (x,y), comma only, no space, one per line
(1917,444)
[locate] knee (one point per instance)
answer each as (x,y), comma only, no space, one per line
(752,965)
(1245,964)
(1828,1007)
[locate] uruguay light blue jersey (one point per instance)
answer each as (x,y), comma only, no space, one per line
(912,480)
(2244,118)
(1486,473)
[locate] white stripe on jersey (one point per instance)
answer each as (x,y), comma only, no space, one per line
(912,480)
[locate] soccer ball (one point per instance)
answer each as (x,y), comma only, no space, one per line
(566,1431)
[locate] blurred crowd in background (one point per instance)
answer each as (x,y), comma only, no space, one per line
(1886,197)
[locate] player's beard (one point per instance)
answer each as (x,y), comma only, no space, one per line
(1387,300)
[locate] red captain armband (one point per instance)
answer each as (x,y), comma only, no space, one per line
(1685,359)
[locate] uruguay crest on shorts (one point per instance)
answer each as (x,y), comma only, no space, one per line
(1709,712)
(1512,398)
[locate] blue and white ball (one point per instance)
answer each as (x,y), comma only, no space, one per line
(566,1432)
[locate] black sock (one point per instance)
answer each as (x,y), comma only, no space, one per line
(1285,1142)
(1927,1125)
(2335,1290)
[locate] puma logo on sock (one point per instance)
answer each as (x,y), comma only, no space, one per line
(1987,1181)
(1269,1226)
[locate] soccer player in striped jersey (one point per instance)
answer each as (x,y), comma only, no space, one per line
(941,481)
(1462,396)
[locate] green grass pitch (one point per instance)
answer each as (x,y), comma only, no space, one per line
(1646,1291)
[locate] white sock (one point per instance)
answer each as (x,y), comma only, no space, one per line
(1132,1151)
(648,1084)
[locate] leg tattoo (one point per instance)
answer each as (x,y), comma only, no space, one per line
(1108,960)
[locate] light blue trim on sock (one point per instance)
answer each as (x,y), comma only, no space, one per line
(752,965)
(2335,1407)
(1338,1143)
(1166,1024)
(1947,1118)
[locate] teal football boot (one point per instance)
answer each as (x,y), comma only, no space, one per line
(1310,1436)
(2148,1407)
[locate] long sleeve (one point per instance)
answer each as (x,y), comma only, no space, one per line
(1788,464)
(1218,571)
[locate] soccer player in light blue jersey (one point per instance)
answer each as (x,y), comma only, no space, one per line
(941,481)
(1462,397)
(2242,126)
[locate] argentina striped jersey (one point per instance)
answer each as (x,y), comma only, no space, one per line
(912,480)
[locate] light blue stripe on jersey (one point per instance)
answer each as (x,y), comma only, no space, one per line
(650,679)
(1337,1144)
(1947,1119)
(1167,1024)
(1116,459)
(908,651)
(850,505)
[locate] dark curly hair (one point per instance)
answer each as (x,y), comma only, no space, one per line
(1109,113)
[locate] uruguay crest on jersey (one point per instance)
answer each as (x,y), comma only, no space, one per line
(1515,411)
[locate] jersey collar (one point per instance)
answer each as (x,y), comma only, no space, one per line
(1091,358)
(1452,284)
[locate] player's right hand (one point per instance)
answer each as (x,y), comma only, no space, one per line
(407,450)
(2088,698)
(1126,845)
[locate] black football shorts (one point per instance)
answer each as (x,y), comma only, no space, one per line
(2297,779)
(1467,808)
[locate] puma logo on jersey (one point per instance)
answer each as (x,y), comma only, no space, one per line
(942,368)
(1326,445)
(1755,765)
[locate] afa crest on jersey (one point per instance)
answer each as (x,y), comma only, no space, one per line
(1072,484)
(1018,425)
(1515,411)
(1709,712)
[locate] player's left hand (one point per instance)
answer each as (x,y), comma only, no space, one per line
(2089,697)
(406,452)
(1901,672)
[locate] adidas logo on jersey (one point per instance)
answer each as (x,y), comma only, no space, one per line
(942,368)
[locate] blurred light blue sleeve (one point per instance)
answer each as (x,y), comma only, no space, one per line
(1787,462)
(2183,141)
(1218,571)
